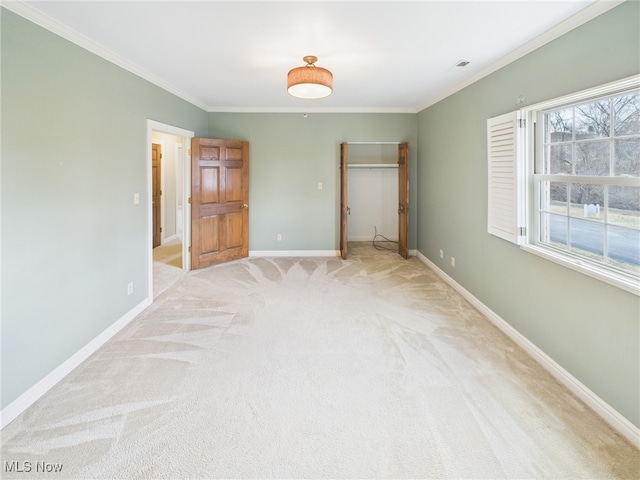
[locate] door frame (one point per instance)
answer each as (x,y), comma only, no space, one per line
(161,206)
(187,135)
(179,156)
(344,200)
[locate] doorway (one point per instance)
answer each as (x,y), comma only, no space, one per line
(374,196)
(169,260)
(156,193)
(373,205)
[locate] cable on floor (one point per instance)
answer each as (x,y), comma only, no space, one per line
(382,247)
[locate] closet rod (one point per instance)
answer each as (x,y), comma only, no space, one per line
(372,165)
(374,143)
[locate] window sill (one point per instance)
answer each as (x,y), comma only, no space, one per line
(625,282)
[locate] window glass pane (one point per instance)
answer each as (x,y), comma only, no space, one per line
(623,247)
(627,161)
(592,158)
(559,125)
(587,238)
(624,206)
(553,230)
(598,220)
(587,201)
(559,160)
(592,120)
(626,114)
(557,198)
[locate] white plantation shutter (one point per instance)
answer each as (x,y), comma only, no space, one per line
(506,177)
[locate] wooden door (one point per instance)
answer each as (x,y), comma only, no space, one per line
(220,201)
(344,205)
(156,193)
(403,199)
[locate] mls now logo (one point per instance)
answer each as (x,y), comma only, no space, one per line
(27,467)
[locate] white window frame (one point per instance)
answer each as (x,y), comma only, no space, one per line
(529,195)
(512,183)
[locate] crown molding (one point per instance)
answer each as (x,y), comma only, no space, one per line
(310,110)
(45,21)
(583,16)
(39,18)
(58,28)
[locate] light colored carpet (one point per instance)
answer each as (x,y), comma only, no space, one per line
(314,368)
(164,276)
(167,266)
(169,253)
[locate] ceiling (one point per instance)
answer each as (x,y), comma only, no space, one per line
(388,56)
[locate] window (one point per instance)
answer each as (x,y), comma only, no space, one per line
(579,181)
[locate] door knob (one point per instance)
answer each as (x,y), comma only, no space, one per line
(244,205)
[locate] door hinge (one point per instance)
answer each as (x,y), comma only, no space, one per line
(523,231)
(160,229)
(189,248)
(160,192)
(522,123)
(189,152)
(160,156)
(189,200)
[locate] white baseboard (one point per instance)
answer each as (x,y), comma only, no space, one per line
(369,238)
(170,239)
(303,253)
(618,422)
(24,401)
(294,253)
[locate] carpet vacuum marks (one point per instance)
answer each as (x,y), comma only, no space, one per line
(312,368)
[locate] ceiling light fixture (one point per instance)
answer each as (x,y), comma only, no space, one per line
(310,81)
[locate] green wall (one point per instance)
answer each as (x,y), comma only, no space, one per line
(290,154)
(588,327)
(73,151)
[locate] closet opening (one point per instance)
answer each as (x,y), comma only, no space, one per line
(374,197)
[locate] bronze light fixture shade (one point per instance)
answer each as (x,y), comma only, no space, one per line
(310,81)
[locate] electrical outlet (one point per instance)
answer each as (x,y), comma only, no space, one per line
(136,198)
(279,237)
(130,288)
(441,253)
(453,262)
(319,185)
